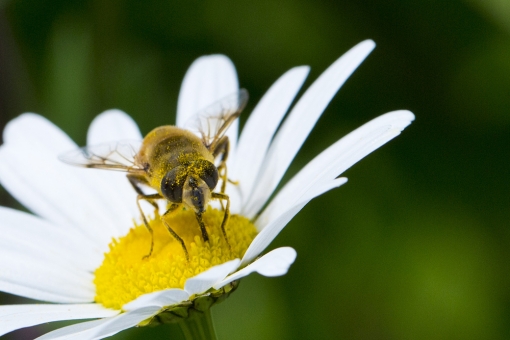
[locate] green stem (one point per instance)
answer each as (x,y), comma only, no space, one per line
(199,327)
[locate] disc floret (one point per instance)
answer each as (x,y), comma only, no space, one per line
(125,274)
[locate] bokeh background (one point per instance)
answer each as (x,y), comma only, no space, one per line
(415,246)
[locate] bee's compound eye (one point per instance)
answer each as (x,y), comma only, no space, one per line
(209,174)
(172,184)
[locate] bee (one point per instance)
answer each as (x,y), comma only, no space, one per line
(177,163)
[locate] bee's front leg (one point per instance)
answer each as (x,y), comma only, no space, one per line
(135,182)
(150,199)
(171,209)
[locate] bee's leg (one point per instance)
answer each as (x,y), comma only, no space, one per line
(135,182)
(205,236)
(148,198)
(170,210)
(226,217)
(223,148)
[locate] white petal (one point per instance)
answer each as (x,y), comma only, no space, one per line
(26,267)
(274,263)
(30,129)
(56,192)
(204,281)
(264,238)
(112,125)
(115,125)
(43,261)
(209,79)
(322,188)
(43,239)
(24,275)
(41,294)
(78,331)
(304,196)
(261,126)
(20,316)
(337,158)
(160,299)
(300,122)
(102,328)
(62,194)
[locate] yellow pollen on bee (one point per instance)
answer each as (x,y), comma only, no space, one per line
(125,274)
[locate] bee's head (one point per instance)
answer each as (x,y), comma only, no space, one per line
(191,185)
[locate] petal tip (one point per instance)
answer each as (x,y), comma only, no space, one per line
(369,42)
(302,68)
(365,47)
(217,59)
(21,119)
(113,112)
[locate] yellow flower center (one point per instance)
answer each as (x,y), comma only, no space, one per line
(125,274)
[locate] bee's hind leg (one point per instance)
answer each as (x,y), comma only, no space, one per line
(170,210)
(226,216)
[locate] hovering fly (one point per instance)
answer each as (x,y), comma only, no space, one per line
(177,163)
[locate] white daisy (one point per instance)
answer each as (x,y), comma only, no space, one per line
(56,255)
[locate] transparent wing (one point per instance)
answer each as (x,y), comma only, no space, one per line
(213,121)
(119,155)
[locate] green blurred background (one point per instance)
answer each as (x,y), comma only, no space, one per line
(415,246)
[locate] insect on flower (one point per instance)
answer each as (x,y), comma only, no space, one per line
(176,162)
